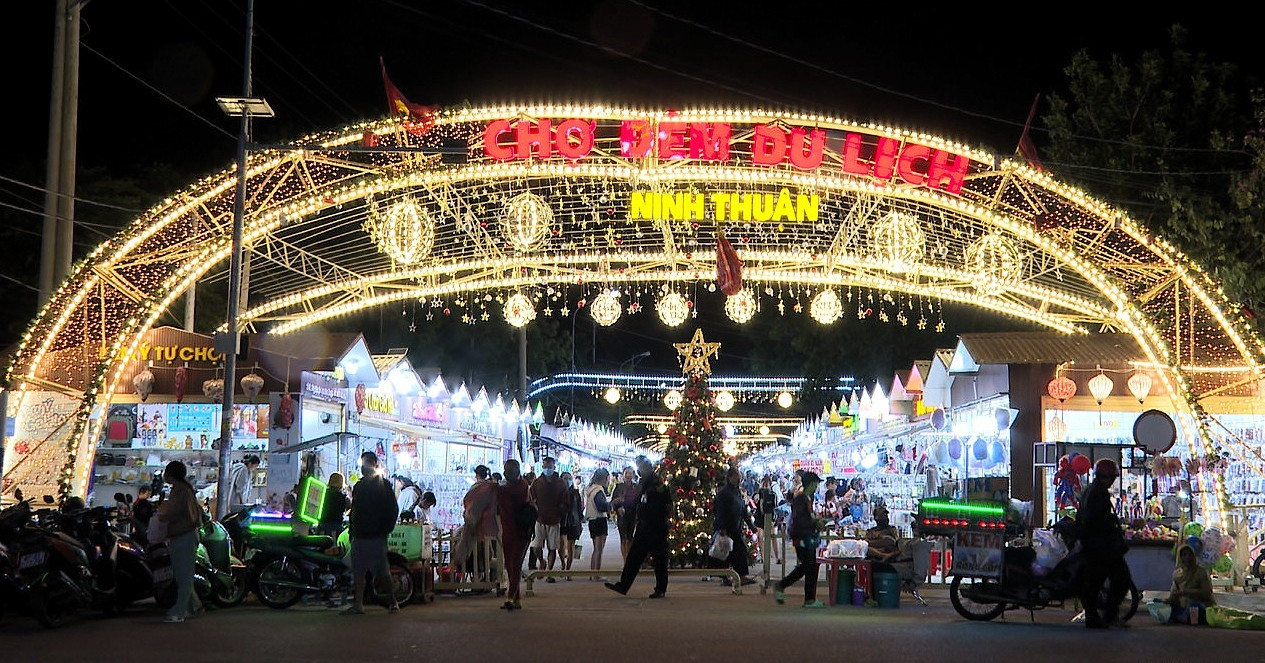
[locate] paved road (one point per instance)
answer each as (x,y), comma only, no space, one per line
(581,620)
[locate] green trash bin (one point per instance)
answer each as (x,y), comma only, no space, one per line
(887,589)
(844,583)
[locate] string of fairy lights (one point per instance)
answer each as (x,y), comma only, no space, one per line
(334,232)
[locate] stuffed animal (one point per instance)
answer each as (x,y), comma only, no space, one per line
(1066,485)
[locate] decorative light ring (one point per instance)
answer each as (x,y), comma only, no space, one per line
(1140,386)
(997,261)
(1061,388)
(826,307)
(899,242)
(605,309)
(740,307)
(1100,387)
(673,309)
(672,399)
(405,232)
(724,401)
(527,220)
(519,309)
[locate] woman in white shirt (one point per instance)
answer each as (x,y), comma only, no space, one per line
(597,510)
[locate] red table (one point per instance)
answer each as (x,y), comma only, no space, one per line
(858,564)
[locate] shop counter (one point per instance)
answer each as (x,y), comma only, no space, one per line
(1151,563)
(858,564)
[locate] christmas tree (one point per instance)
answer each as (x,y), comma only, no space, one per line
(694,462)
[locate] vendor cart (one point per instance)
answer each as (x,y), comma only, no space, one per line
(483,571)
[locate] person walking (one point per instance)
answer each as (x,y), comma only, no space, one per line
(373,516)
(549,494)
(597,510)
(182,516)
(572,526)
(624,498)
(805,533)
(651,534)
(1102,549)
(733,519)
(511,497)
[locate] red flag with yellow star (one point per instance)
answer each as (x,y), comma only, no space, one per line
(420,118)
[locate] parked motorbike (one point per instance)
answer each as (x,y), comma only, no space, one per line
(286,568)
(1018,588)
(13,519)
(54,577)
(218,575)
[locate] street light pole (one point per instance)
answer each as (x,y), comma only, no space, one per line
(245,106)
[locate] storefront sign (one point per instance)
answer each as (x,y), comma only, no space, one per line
(977,554)
(323,388)
(784,206)
(172,353)
(880,158)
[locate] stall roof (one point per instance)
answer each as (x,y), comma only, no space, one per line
(1050,348)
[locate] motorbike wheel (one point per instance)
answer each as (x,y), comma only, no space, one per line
(1128,605)
(272,584)
(401,585)
(49,613)
(227,596)
(972,610)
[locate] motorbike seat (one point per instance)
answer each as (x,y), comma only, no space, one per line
(314,541)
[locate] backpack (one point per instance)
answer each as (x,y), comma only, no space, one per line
(525,517)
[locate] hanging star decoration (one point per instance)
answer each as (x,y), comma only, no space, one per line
(696,353)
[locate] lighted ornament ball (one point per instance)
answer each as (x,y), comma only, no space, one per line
(1080,464)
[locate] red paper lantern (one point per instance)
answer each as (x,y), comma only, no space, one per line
(182,383)
(1061,388)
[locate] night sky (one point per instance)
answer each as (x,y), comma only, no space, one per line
(151,69)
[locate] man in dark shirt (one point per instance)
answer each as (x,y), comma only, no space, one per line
(732,519)
(549,494)
(1102,548)
(373,515)
(651,535)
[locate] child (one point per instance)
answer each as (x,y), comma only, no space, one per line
(1192,588)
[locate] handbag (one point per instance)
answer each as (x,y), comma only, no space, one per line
(722,545)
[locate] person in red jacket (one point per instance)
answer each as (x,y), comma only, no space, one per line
(511,496)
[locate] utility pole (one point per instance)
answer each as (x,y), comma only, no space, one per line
(57,239)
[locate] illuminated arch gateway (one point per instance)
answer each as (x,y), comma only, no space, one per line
(494,213)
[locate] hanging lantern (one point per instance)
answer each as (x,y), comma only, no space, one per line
(1056,430)
(1100,387)
(672,400)
(728,267)
(251,385)
(182,383)
(285,412)
(612,395)
(785,399)
(213,389)
(826,307)
(519,310)
(997,263)
(1140,386)
(361,397)
(605,308)
(527,220)
(1061,388)
(143,383)
(724,401)
(672,309)
(405,232)
(899,242)
(740,307)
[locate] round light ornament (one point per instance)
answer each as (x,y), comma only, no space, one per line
(724,401)
(899,242)
(997,262)
(741,306)
(605,309)
(519,309)
(404,231)
(826,307)
(672,399)
(1061,388)
(785,399)
(527,220)
(672,309)
(612,395)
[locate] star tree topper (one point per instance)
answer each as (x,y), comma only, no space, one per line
(695,354)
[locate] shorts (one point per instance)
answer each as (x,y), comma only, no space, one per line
(369,556)
(598,527)
(546,535)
